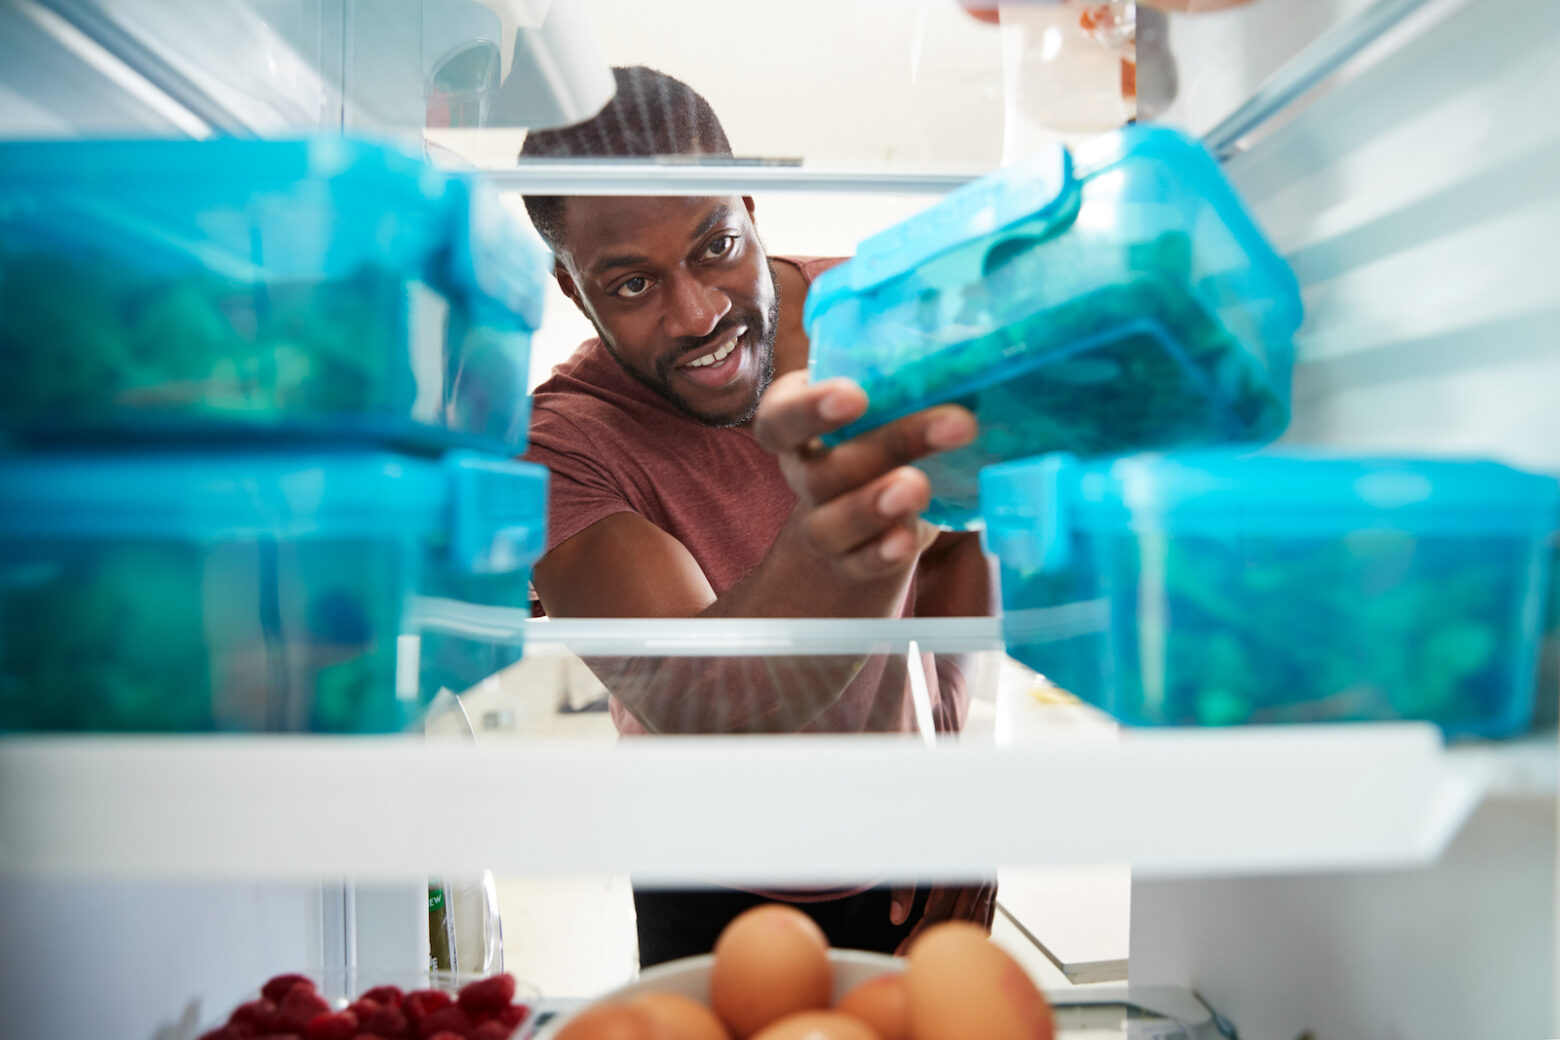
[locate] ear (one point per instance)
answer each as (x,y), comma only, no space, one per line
(566,283)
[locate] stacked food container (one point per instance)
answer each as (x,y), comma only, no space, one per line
(1124,334)
(257,397)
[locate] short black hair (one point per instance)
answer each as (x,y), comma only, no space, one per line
(652,114)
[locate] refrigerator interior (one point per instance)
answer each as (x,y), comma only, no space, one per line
(1404,157)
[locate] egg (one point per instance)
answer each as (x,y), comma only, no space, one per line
(883,1004)
(962,986)
(686,1018)
(770,962)
(818,1025)
(615,1022)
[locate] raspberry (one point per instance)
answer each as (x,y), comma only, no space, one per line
(449,1019)
(281,985)
(487,994)
(332,1025)
(386,1021)
(512,1015)
(445,1034)
(425,1001)
(493,1030)
(383,995)
(298,1007)
(371,1036)
(259,1014)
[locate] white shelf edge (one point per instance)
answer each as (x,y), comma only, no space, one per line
(757,637)
(619,177)
(757,809)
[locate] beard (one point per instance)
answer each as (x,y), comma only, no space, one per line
(763,329)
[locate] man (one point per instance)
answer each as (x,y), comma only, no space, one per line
(688,481)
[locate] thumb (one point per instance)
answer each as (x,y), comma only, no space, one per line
(900,899)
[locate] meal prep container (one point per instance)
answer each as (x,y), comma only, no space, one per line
(1214,589)
(247,592)
(313,288)
(1121,300)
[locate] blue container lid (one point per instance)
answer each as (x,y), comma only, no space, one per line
(1039,187)
(1047,186)
(241,208)
(1282,493)
(491,512)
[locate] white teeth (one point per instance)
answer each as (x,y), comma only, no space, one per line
(717,356)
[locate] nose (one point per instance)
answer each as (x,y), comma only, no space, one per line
(694,309)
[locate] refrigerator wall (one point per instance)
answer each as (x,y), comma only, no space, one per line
(1417,196)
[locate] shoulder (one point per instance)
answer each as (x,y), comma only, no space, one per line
(575,407)
(590,383)
(812,266)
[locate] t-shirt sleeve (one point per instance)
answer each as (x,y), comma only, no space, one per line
(580,490)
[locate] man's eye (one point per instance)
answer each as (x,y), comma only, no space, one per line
(634,287)
(721,246)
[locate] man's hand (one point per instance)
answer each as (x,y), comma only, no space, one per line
(976,903)
(861,501)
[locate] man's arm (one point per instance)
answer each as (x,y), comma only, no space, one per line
(848,550)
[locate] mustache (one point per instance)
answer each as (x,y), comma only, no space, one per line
(694,346)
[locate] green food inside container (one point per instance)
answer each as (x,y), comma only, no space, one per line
(167,636)
(1213,632)
(88,339)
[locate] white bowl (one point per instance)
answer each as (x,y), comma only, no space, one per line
(690,977)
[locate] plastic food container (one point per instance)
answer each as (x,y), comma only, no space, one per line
(246,592)
(1214,589)
(1120,302)
(322,287)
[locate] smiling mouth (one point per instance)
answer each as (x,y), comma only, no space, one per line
(720,353)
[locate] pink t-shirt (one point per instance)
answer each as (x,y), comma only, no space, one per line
(615,446)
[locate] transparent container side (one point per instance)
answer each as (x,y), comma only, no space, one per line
(1369,626)
(247,594)
(175,636)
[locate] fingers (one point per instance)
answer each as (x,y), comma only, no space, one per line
(855,517)
(792,412)
(975,903)
(819,477)
(985,911)
(860,501)
(885,555)
(900,899)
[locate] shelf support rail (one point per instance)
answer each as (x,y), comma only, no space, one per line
(1310,67)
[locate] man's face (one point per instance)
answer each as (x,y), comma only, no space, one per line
(681,293)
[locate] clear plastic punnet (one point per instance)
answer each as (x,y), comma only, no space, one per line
(1116,300)
(307,288)
(1283,587)
(246,592)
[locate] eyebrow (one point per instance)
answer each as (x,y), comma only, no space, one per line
(719,213)
(715,216)
(607,263)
